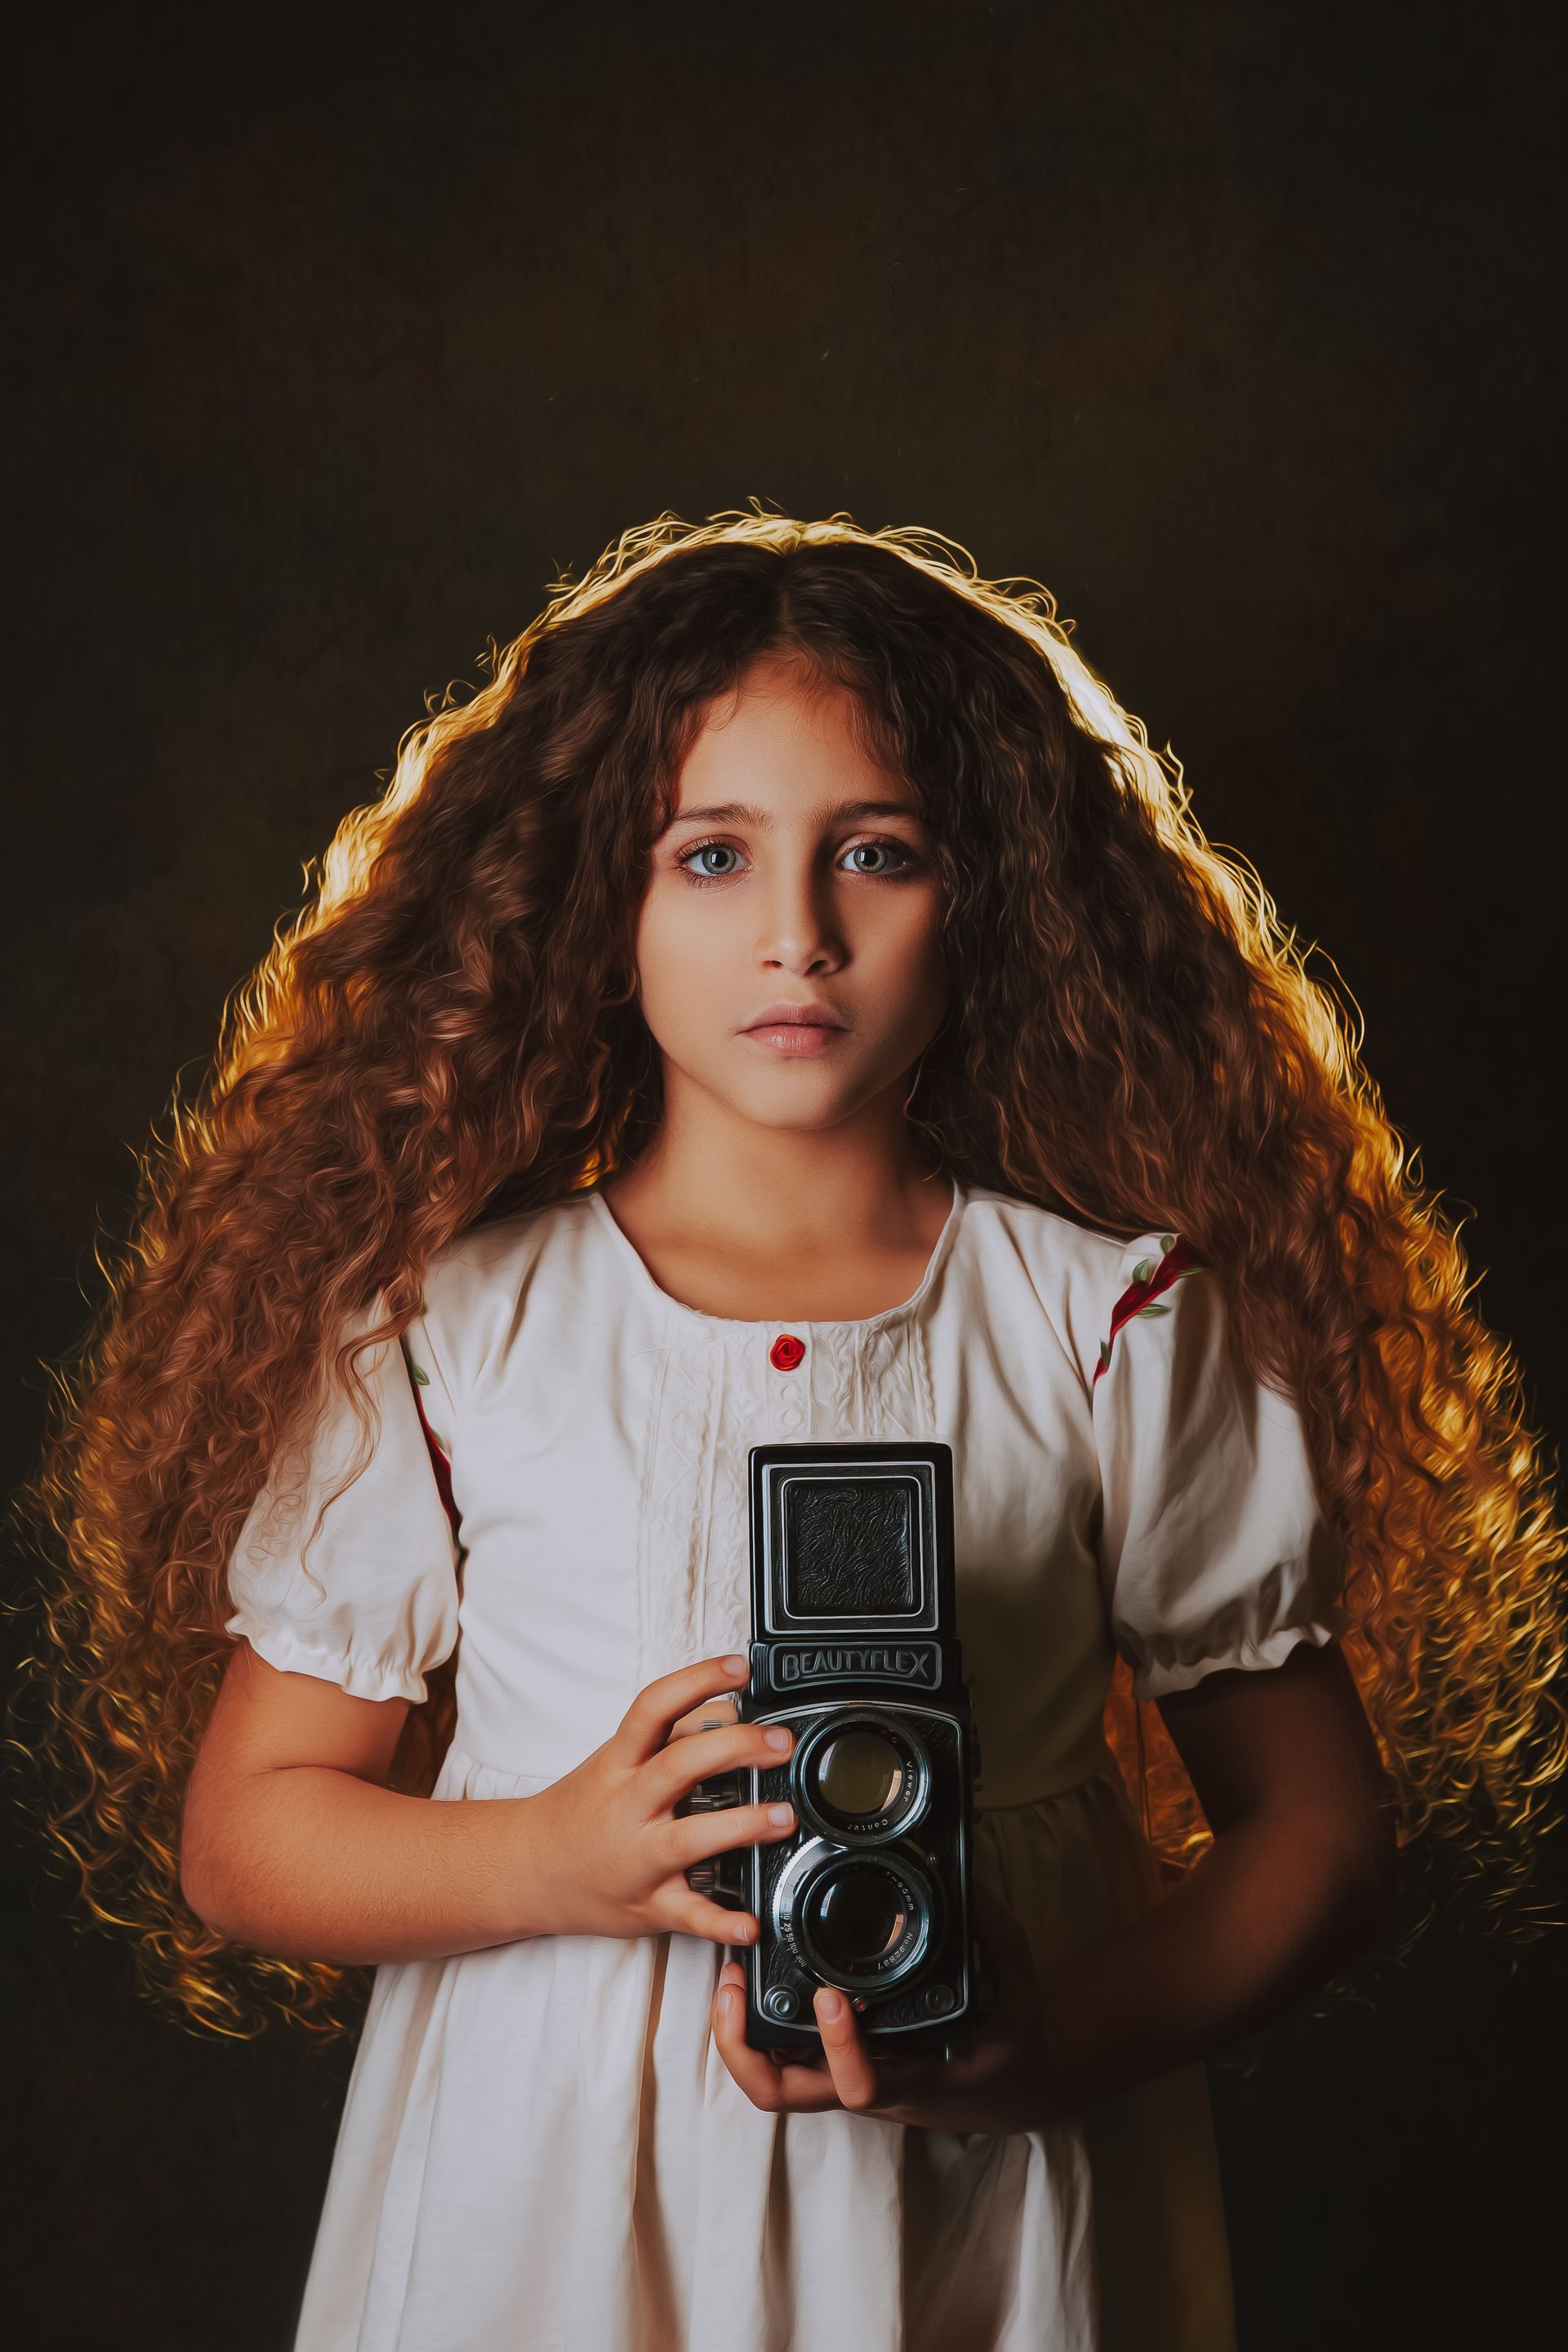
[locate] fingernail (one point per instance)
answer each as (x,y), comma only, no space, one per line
(778,1737)
(829,2004)
(727,1999)
(782,1814)
(734,1663)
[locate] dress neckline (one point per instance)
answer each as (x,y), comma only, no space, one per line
(696,1315)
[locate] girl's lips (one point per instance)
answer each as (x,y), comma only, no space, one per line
(797,1040)
(796,1027)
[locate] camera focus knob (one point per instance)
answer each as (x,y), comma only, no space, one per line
(720,1793)
(721,1877)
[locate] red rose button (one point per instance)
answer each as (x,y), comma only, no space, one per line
(786,1352)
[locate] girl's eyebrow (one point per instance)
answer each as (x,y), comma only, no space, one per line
(740,813)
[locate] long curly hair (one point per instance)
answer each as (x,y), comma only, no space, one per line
(448,1032)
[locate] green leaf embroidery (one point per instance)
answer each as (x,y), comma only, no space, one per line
(1105,1351)
(1167,1241)
(1153,1308)
(421,1376)
(1143,1269)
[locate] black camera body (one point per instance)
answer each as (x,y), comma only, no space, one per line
(855,1649)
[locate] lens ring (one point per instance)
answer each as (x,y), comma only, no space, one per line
(874,1763)
(884,1931)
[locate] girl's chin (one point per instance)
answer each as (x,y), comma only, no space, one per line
(792,1100)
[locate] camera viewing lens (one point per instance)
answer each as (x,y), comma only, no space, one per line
(860,1917)
(859,1773)
(861,1777)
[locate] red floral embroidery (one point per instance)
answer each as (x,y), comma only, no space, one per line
(1148,1283)
(438,1462)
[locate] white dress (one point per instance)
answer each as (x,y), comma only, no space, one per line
(542,2150)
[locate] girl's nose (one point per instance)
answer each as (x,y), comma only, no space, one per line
(798,931)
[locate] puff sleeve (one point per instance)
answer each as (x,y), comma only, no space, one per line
(368,1598)
(1214,1549)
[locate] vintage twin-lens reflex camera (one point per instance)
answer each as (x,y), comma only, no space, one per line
(854,1648)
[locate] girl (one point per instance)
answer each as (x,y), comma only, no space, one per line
(791,1001)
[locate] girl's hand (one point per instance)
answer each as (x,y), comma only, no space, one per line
(1003,2083)
(607,1855)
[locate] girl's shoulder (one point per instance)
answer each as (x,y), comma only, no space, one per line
(477,1283)
(1055,1249)
(494,1252)
(1028,1261)
(1048,1234)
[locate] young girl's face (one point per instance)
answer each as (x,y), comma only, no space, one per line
(796,878)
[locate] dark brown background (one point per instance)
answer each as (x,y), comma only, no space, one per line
(339,334)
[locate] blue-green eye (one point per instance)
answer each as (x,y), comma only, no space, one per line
(863,850)
(707,849)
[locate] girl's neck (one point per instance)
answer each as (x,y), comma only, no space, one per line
(746,1222)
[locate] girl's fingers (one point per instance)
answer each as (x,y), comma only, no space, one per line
(677,1769)
(847,2077)
(850,2064)
(694,1914)
(695,1836)
(645,1726)
(913,2089)
(777,2089)
(709,1715)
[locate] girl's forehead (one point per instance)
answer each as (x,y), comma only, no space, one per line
(774,744)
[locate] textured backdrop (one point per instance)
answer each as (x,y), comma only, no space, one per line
(339,334)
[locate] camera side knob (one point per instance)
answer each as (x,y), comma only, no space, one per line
(720,1794)
(721,1877)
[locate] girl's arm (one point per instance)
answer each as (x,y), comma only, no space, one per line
(291,1845)
(1299,1880)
